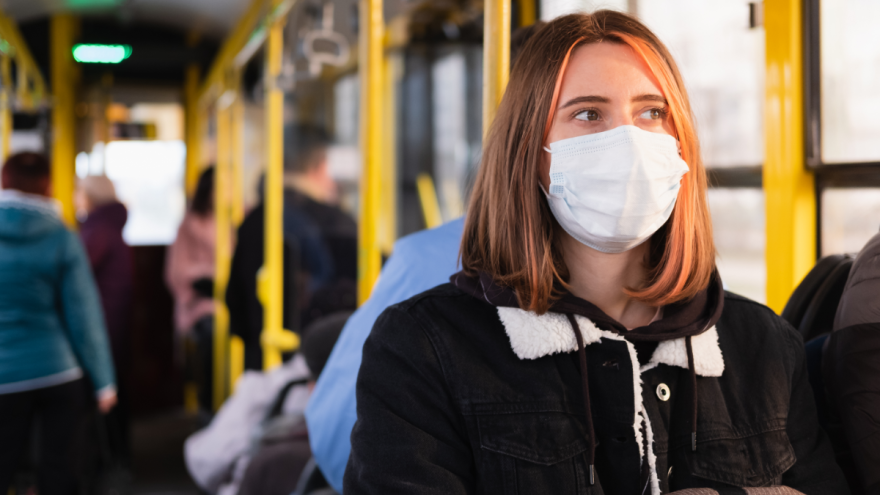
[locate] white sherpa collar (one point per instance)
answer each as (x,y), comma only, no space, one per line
(533,336)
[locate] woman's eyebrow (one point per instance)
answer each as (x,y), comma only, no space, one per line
(602,99)
(586,99)
(649,97)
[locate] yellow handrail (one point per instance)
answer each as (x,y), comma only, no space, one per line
(370,45)
(5,105)
(62,32)
(223,250)
(194,129)
(790,200)
(428,199)
(387,228)
(235,42)
(528,12)
(32,86)
(274,338)
(496,57)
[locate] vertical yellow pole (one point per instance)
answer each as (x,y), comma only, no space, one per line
(371,74)
(528,13)
(496,57)
(62,33)
(789,188)
(271,281)
(5,105)
(236,345)
(193,129)
(388,198)
(237,158)
(223,256)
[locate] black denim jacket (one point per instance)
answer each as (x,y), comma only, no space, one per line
(446,406)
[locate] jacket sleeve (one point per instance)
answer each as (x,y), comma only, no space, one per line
(80,310)
(815,471)
(409,438)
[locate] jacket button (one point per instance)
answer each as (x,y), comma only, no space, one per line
(663,392)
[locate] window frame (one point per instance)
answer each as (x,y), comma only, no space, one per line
(827,175)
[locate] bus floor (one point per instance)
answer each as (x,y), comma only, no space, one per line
(158,466)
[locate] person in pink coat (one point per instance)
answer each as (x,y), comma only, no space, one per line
(189,273)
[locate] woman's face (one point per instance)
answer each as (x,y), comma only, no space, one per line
(605,85)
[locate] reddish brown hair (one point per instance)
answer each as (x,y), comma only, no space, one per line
(509,231)
(26,172)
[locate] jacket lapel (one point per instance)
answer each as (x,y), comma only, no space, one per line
(533,336)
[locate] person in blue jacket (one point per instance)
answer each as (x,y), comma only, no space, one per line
(53,341)
(419,261)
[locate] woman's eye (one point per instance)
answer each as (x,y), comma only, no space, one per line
(589,115)
(652,114)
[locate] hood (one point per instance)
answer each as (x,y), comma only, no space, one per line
(27,216)
(682,319)
(110,216)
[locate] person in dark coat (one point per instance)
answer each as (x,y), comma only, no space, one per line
(320,240)
(112,265)
(852,376)
(587,346)
(110,258)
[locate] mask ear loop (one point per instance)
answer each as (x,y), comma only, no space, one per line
(555,99)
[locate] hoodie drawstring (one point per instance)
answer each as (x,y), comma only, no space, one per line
(690,353)
(585,383)
(588,413)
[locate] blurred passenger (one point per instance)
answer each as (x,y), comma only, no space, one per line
(852,375)
(111,261)
(189,273)
(259,436)
(588,344)
(320,241)
(279,461)
(417,263)
(54,354)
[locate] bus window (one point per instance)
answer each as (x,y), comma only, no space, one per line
(738,222)
(148,176)
(843,231)
(850,50)
(722,62)
(551,9)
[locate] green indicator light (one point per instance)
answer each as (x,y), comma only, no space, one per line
(101,54)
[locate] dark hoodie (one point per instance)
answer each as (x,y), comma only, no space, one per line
(461,391)
(111,261)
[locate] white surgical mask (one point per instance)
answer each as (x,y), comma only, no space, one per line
(613,190)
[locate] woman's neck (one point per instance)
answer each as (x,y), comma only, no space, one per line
(601,278)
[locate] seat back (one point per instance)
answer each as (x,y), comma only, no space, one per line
(819,317)
(813,304)
(803,294)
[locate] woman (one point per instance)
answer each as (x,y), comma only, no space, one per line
(110,258)
(53,344)
(111,261)
(190,264)
(189,273)
(587,346)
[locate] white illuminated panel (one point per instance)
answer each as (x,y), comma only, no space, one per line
(148,176)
